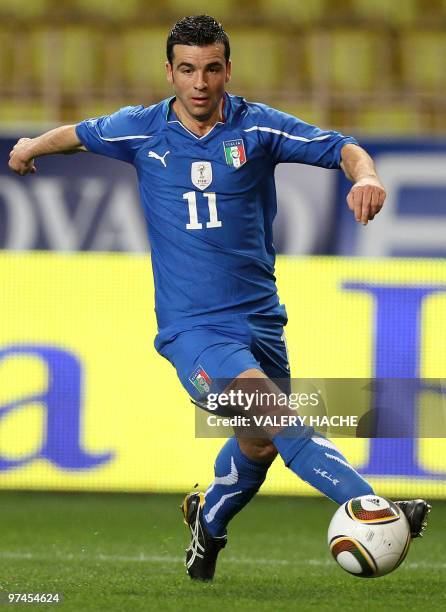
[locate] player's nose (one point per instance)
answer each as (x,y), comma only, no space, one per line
(200,81)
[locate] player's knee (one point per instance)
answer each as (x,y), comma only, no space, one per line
(258,449)
(267,453)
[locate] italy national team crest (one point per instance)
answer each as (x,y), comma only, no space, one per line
(201,380)
(201,174)
(235,152)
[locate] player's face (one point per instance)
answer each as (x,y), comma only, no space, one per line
(199,76)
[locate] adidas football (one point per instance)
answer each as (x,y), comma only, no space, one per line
(369,536)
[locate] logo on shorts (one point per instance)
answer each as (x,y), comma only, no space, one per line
(235,154)
(201,380)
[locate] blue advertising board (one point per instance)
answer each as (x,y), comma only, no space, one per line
(87,202)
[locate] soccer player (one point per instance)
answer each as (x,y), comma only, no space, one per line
(205,162)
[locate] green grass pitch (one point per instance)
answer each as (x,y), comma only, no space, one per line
(125,553)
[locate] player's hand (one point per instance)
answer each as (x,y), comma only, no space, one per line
(19,159)
(366,198)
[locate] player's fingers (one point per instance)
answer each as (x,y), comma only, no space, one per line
(18,168)
(382,197)
(374,204)
(350,200)
(366,204)
(28,168)
(12,165)
(357,202)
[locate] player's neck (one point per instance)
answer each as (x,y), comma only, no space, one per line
(199,128)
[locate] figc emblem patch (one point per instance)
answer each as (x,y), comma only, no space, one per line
(201,380)
(235,152)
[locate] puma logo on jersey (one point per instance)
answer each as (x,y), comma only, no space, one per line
(161,158)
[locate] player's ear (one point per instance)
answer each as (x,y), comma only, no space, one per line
(228,71)
(169,72)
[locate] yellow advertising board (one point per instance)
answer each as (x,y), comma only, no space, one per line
(86,403)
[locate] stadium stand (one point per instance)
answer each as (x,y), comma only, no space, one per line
(78,55)
(115,10)
(258,57)
(351,61)
(221,9)
(27,112)
(355,60)
(295,13)
(394,118)
(24,9)
(6,58)
(384,12)
(423,59)
(142,76)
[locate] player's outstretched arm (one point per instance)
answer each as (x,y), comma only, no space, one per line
(60,140)
(366,197)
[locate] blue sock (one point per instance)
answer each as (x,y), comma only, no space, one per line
(237,480)
(317,461)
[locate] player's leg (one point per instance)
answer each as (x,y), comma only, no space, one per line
(251,456)
(213,355)
(319,462)
(269,348)
(311,457)
(237,478)
(239,471)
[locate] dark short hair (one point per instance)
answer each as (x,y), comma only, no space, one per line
(197,30)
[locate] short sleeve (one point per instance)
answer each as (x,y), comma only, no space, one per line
(289,139)
(118,135)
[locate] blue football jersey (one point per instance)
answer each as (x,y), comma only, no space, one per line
(210,201)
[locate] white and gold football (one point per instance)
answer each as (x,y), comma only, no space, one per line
(369,536)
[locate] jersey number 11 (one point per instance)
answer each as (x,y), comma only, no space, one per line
(193,224)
